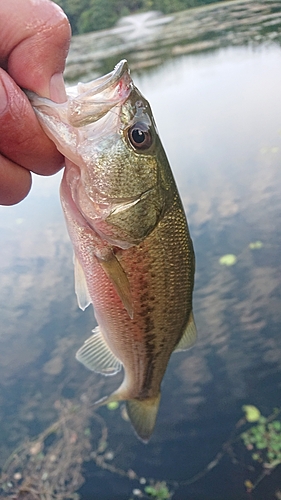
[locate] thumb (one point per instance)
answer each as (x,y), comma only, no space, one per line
(35,39)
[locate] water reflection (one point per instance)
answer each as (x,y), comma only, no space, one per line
(219,116)
(144,26)
(33,246)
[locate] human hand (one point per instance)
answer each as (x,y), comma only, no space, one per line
(34,40)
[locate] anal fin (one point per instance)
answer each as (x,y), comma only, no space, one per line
(96,355)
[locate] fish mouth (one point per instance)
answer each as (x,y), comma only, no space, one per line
(88,102)
(100,84)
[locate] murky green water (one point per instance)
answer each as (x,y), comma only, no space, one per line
(213,78)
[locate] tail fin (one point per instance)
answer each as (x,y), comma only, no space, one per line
(142,414)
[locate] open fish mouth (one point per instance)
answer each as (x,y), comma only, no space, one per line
(104,82)
(90,112)
(88,102)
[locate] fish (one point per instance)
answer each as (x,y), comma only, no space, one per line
(133,254)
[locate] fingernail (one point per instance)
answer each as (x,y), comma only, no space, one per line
(3,97)
(57,88)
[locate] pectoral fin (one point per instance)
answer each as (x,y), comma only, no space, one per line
(118,278)
(96,355)
(81,289)
(189,336)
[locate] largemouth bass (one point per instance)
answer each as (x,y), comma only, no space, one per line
(134,258)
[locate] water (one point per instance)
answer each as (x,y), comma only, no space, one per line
(219,116)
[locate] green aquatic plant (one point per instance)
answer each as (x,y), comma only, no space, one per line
(228,260)
(113,405)
(159,491)
(256,245)
(51,468)
(264,438)
(252,413)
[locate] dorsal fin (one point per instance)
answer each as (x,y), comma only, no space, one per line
(189,336)
(97,356)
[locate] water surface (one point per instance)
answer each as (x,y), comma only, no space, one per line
(219,116)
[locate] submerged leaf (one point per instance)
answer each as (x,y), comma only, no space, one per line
(228,260)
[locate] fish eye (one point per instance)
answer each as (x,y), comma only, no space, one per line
(140,136)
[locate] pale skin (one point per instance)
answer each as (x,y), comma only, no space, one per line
(34,40)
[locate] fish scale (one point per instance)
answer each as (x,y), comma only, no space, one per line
(134,257)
